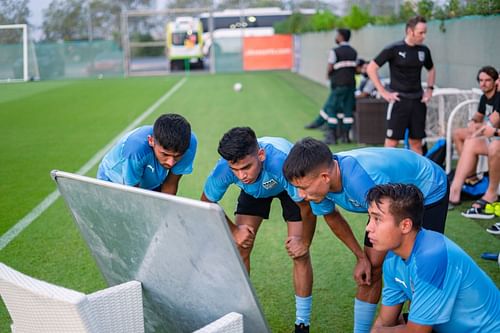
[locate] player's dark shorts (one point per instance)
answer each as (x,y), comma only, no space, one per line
(249,205)
(434,216)
(407,113)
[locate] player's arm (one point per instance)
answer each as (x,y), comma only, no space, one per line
(299,246)
(332,58)
(171,183)
(329,70)
(431,80)
(475,121)
(388,322)
(372,71)
(341,229)
(243,235)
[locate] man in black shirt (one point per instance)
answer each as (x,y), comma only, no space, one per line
(486,78)
(407,102)
(340,104)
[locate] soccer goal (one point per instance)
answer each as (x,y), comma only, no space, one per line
(17,57)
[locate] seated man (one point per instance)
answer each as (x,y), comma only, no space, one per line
(152,157)
(366,87)
(255,166)
(447,289)
(486,78)
(485,141)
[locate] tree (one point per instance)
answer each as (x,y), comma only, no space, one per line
(425,8)
(65,20)
(14,11)
(356,19)
(323,20)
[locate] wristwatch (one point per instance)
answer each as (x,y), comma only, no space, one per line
(430,87)
(496,132)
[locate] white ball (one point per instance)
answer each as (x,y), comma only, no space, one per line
(237,86)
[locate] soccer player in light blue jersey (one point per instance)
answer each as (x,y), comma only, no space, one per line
(152,157)
(448,291)
(343,179)
(256,167)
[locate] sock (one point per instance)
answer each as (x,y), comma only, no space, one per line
(363,316)
(303,310)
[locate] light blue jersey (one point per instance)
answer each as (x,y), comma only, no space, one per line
(132,161)
(362,169)
(270,182)
(446,288)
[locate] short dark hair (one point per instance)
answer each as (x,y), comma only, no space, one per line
(360,62)
(413,21)
(306,156)
(172,132)
(345,33)
(488,70)
(406,201)
(237,143)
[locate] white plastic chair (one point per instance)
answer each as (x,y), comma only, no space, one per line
(230,323)
(38,306)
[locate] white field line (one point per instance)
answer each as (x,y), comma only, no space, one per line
(12,233)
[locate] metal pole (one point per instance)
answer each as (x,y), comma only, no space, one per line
(212,49)
(125,42)
(25,52)
(89,22)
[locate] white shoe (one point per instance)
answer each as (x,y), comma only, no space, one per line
(477,213)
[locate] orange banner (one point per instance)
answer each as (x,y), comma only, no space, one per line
(268,52)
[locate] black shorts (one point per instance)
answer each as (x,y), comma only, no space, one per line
(249,205)
(407,113)
(434,216)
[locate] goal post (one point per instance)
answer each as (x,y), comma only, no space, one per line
(15,48)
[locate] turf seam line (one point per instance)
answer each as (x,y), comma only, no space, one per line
(22,224)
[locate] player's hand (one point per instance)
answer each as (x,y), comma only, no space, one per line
(480,132)
(296,247)
(390,97)
(244,236)
(363,272)
(427,96)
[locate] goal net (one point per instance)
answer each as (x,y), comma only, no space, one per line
(17,55)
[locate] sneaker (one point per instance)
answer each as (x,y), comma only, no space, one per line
(477,213)
(301,328)
(494,229)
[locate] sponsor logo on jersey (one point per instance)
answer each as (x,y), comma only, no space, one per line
(402,54)
(421,56)
(398,280)
(269,184)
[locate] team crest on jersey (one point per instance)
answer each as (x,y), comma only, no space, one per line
(421,56)
(269,184)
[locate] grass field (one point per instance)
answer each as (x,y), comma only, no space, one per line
(62,125)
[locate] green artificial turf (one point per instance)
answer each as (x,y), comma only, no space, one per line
(62,125)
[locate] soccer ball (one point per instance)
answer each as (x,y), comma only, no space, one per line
(237,87)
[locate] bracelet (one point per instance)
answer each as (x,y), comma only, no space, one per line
(496,132)
(430,87)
